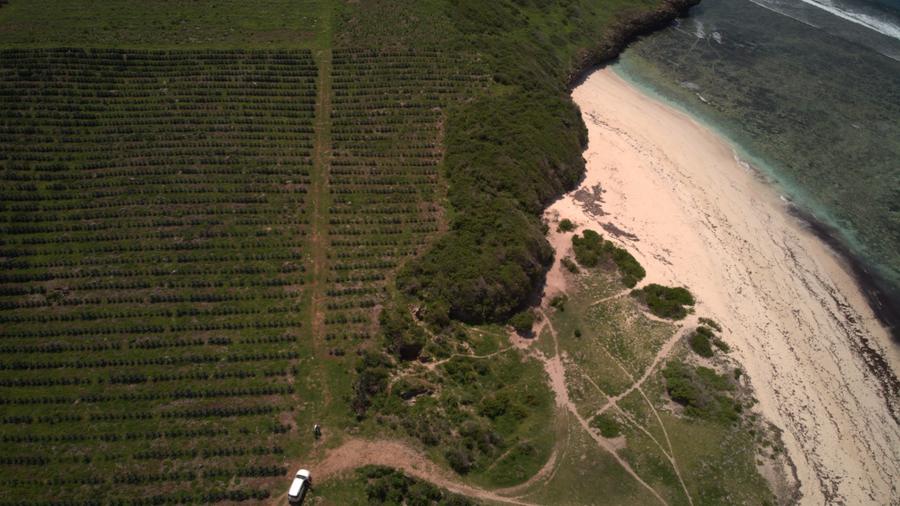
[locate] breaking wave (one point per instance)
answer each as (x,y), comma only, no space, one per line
(869,20)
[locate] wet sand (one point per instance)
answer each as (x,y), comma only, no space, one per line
(674,194)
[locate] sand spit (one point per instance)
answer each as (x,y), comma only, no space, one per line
(675,194)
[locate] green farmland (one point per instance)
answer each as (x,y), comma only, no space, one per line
(156,267)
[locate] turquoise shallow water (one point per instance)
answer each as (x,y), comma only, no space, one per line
(809,90)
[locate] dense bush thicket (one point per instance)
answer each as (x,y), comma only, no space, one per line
(592,250)
(523,321)
(404,338)
(503,170)
(509,153)
(665,301)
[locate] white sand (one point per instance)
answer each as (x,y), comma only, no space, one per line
(790,310)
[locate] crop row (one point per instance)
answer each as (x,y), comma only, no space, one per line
(154,235)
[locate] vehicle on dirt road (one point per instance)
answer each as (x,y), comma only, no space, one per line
(299,487)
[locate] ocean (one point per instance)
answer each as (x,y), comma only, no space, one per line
(809,92)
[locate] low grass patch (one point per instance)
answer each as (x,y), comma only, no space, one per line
(626,333)
(588,475)
(587,398)
(717,461)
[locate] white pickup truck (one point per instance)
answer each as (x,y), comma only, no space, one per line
(299,487)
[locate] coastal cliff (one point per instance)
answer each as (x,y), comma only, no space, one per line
(512,153)
(626,30)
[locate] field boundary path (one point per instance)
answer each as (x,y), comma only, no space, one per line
(319,194)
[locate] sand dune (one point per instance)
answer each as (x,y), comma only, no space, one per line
(676,196)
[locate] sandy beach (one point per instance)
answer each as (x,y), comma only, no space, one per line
(674,194)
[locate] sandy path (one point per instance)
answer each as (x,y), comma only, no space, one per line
(693,215)
(557,373)
(356,453)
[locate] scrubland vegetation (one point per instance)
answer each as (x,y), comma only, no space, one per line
(155,222)
(483,410)
(592,250)
(379,485)
(702,391)
(685,426)
(665,301)
(529,135)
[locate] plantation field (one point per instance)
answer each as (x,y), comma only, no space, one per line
(155,257)
(170,24)
(384,185)
(185,235)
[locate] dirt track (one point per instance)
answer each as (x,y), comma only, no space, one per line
(356,453)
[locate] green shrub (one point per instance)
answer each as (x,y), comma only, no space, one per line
(501,404)
(711,323)
(704,336)
(559,302)
(701,345)
(569,265)
(664,301)
(712,379)
(565,225)
(436,313)
(460,459)
(372,372)
(523,321)
(403,337)
(703,392)
(407,388)
(390,486)
(631,270)
(588,248)
(680,384)
(591,250)
(722,345)
(608,426)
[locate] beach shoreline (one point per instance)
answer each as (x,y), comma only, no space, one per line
(677,196)
(883,298)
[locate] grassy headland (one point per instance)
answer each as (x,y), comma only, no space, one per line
(513,150)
